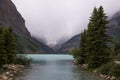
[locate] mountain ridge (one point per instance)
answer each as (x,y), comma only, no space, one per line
(69,44)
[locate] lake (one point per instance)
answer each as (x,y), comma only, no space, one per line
(54,67)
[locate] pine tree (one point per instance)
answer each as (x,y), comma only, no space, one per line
(80,53)
(9,44)
(83,53)
(94,49)
(98,39)
(116,48)
(76,52)
(1,41)
(2,50)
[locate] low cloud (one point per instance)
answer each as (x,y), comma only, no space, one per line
(55,19)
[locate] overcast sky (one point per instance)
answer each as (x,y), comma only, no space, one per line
(54,19)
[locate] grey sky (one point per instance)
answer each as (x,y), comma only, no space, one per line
(54,19)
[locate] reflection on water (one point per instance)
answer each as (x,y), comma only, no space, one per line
(54,67)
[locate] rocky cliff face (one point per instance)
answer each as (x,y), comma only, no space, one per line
(9,16)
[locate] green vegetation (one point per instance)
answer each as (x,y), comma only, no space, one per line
(8,51)
(2,51)
(94,47)
(23,44)
(30,45)
(97,39)
(23,60)
(111,69)
(9,45)
(117,48)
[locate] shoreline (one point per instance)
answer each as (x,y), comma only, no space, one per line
(94,72)
(11,71)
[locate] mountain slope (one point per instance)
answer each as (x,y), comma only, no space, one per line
(70,44)
(115,26)
(9,16)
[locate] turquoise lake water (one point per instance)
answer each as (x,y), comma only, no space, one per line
(54,67)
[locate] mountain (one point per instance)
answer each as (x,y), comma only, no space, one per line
(114,31)
(9,16)
(70,44)
(60,42)
(115,26)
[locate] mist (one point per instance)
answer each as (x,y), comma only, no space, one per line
(56,19)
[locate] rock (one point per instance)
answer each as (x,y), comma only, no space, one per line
(21,71)
(101,75)
(4,77)
(95,71)
(10,79)
(113,78)
(85,66)
(1,78)
(15,72)
(117,62)
(22,66)
(12,71)
(13,68)
(107,78)
(7,73)
(11,75)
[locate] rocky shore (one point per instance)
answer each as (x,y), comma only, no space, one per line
(10,71)
(95,72)
(108,77)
